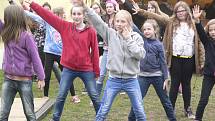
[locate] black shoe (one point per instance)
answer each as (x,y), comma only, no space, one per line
(188,113)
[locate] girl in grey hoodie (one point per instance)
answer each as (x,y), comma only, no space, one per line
(125,49)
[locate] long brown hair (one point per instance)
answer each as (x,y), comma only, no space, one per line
(14,23)
(189,19)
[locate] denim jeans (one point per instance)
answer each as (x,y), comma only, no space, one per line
(57,73)
(157,83)
(113,87)
(207,86)
(103,72)
(9,90)
(67,79)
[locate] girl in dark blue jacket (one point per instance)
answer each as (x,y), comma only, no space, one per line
(153,68)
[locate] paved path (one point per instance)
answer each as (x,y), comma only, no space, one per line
(17,113)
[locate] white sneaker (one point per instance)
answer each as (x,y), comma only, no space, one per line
(122,93)
(91,103)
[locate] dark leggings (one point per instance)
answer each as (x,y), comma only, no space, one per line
(181,72)
(49,61)
(207,86)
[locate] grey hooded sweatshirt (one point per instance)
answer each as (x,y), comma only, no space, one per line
(123,54)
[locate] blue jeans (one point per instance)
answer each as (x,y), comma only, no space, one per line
(57,73)
(67,79)
(9,90)
(157,83)
(113,87)
(103,72)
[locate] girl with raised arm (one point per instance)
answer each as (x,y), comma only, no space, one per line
(125,49)
(207,36)
(80,56)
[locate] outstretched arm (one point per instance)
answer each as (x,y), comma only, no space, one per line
(35,17)
(101,27)
(127,5)
(55,21)
(159,18)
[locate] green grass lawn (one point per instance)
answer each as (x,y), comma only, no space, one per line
(121,106)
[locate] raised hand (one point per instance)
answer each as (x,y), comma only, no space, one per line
(136,8)
(196,13)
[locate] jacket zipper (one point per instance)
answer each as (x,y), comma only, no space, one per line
(123,60)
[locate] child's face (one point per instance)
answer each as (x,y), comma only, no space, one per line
(121,23)
(96,8)
(148,30)
(151,8)
(77,15)
(181,13)
(211,31)
(109,8)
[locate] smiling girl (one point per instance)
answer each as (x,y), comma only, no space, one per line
(80,56)
(153,68)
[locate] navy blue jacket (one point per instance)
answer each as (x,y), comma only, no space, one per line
(155,59)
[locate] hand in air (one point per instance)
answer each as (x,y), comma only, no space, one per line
(136,8)
(196,12)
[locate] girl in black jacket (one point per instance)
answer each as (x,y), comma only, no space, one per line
(207,36)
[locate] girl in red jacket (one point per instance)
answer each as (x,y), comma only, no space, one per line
(80,56)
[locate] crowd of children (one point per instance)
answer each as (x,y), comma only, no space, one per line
(138,47)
